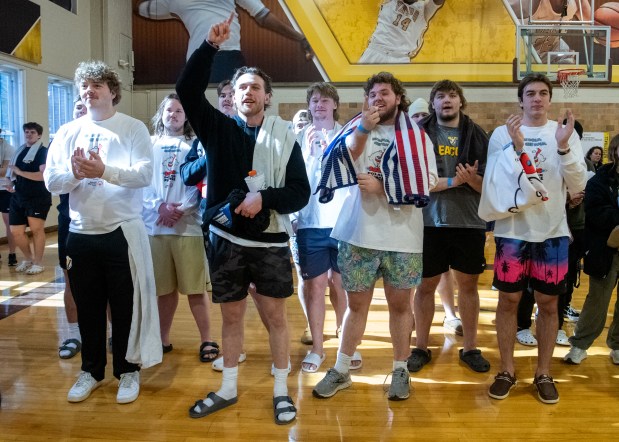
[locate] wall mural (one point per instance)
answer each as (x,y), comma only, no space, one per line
(20,32)
(417,40)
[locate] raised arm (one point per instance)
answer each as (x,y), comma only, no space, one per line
(193,81)
(272,22)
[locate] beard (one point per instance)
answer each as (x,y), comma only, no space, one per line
(388,114)
(449,117)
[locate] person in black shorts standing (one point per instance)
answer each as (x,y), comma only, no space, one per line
(31,201)
(6,191)
(454,235)
(249,226)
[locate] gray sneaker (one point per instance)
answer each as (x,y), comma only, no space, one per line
(331,384)
(400,388)
(575,356)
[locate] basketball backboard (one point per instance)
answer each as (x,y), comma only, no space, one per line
(530,12)
(548,48)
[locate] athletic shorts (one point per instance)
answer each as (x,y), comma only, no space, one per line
(21,210)
(362,267)
(234,267)
(180,264)
(317,252)
(540,265)
(5,201)
(458,248)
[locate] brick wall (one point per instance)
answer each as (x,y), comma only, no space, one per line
(594,117)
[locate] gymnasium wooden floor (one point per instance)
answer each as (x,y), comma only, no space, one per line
(449,401)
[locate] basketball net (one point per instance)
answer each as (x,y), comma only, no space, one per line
(570,80)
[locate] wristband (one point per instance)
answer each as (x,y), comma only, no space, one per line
(449,182)
(215,45)
(362,129)
(563,152)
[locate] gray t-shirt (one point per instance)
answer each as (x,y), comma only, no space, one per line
(457,206)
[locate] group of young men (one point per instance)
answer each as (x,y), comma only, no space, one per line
(419,196)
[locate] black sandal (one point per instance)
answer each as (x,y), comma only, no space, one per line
(278,411)
(211,354)
(72,349)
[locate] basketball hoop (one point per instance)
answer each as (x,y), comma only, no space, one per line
(570,80)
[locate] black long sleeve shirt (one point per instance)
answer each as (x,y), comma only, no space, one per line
(229,145)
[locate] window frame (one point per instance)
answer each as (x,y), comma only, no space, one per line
(11,103)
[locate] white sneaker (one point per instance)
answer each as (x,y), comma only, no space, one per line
(218,364)
(575,356)
(614,355)
(562,338)
(82,388)
(128,387)
(525,337)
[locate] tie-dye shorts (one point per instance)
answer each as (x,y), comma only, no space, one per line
(540,265)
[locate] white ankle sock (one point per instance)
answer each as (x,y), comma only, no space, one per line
(74,331)
(342,364)
(280,387)
(399,364)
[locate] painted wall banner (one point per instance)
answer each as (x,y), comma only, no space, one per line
(20,31)
(416,40)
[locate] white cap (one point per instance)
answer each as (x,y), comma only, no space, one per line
(419,105)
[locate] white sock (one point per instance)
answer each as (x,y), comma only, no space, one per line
(74,331)
(280,388)
(342,364)
(399,364)
(227,390)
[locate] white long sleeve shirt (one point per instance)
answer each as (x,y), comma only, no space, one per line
(100,205)
(168,187)
(558,173)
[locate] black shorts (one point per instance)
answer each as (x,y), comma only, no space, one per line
(5,201)
(21,210)
(234,267)
(458,248)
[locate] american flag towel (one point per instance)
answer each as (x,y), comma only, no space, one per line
(404,165)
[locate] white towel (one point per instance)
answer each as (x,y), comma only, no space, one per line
(30,156)
(507,188)
(272,151)
(404,165)
(144,345)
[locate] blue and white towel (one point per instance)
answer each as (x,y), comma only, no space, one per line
(404,165)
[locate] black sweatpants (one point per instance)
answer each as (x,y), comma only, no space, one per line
(99,273)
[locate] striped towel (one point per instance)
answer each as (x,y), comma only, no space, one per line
(404,165)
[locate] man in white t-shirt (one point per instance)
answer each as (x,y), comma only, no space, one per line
(532,161)
(316,257)
(173,223)
(378,239)
(398,36)
(199,15)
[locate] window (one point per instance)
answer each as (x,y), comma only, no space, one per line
(60,94)
(11,104)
